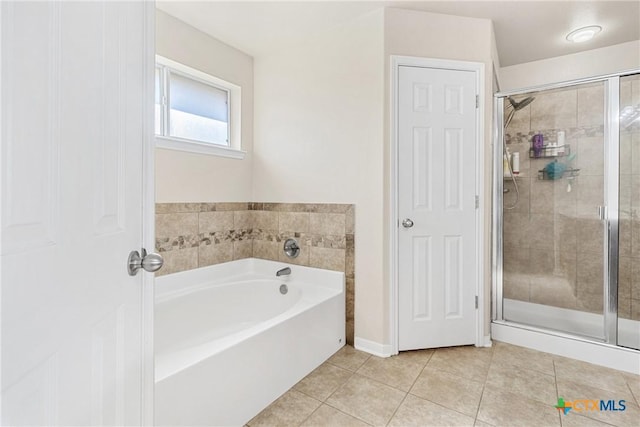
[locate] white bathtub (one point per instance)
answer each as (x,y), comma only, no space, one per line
(228,343)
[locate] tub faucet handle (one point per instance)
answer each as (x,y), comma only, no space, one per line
(283,272)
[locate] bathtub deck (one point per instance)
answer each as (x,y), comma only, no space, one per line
(501,386)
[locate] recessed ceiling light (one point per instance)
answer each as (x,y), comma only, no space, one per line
(583,34)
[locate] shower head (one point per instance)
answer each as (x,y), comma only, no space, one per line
(520,105)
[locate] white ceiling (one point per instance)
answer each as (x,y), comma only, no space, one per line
(525,30)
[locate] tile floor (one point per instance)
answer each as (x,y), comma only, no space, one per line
(504,385)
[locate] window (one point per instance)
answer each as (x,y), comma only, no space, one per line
(195,111)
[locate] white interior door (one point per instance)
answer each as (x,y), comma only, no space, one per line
(72,122)
(436,207)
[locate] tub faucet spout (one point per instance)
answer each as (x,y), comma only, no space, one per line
(283,272)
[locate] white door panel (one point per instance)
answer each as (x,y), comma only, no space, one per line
(436,155)
(73,79)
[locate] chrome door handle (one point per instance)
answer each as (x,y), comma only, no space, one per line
(602,212)
(149,262)
(407,223)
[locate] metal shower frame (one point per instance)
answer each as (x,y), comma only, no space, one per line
(611,202)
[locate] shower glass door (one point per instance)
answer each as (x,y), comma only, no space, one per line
(629,229)
(554,188)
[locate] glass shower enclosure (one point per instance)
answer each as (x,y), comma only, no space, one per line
(566,214)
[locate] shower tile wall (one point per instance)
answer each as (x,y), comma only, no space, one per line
(192,235)
(553,239)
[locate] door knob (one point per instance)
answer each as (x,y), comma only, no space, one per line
(407,223)
(149,262)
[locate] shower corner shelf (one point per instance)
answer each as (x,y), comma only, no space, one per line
(568,174)
(548,152)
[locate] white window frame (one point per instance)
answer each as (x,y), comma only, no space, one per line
(165,140)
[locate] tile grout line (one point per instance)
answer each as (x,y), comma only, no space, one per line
(484,384)
(409,391)
(555,382)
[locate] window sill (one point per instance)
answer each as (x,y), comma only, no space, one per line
(198,147)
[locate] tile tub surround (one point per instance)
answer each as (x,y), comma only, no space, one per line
(553,239)
(455,386)
(193,235)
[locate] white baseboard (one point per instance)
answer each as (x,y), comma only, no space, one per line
(372,347)
(613,357)
(487,341)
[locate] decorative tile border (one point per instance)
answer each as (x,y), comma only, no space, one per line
(190,235)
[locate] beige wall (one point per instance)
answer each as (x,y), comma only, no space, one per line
(319,139)
(611,59)
(430,35)
(188,177)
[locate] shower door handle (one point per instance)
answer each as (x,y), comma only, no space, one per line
(149,262)
(602,213)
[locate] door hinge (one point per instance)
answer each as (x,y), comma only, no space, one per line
(477,101)
(477,202)
(476,301)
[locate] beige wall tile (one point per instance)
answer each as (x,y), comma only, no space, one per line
(565,232)
(635,153)
(327,258)
(215,221)
(179,260)
(232,206)
(590,234)
(554,110)
(553,290)
(516,286)
(350,298)
(590,156)
(242,220)
(163,208)
(635,278)
(541,231)
(243,249)
(350,219)
(590,302)
(176,224)
(327,223)
(542,196)
(591,105)
(524,187)
(542,262)
(265,220)
(215,254)
(590,194)
(350,332)
(294,221)
(516,231)
(635,309)
(590,273)
(265,249)
(625,153)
